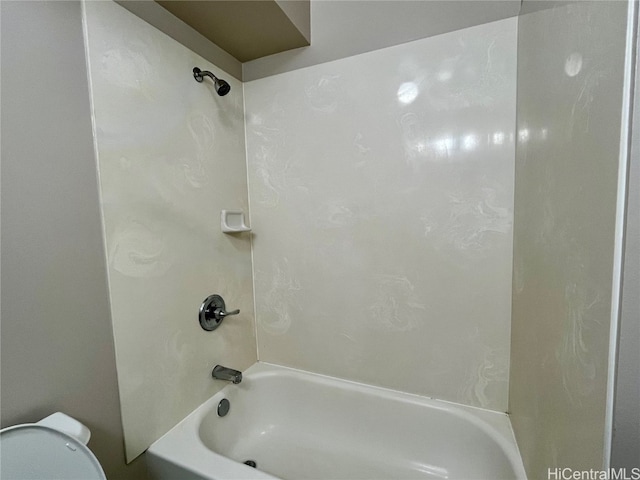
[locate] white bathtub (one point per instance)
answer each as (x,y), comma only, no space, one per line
(297,425)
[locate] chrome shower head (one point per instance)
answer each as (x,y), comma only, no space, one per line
(222,87)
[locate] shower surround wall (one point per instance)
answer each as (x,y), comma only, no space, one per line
(171,155)
(570,78)
(381,193)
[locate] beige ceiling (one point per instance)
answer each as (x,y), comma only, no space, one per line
(246,29)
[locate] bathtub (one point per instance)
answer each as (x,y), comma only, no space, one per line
(297,425)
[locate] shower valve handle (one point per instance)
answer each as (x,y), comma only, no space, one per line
(221,313)
(213,311)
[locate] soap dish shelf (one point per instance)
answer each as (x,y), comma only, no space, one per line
(232,221)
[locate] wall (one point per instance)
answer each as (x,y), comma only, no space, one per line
(626,439)
(381,24)
(570,78)
(171,156)
(381,201)
(57,344)
(163,20)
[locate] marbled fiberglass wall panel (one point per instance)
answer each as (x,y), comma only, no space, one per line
(570,77)
(171,156)
(381,195)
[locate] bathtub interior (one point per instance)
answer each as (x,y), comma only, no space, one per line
(297,425)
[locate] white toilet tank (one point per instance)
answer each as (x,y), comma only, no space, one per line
(54,447)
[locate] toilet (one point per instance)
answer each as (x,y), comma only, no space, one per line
(54,447)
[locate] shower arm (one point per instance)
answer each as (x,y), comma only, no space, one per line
(200,74)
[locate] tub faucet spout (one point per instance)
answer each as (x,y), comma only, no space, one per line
(223,373)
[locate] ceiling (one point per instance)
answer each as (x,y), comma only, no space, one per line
(247,29)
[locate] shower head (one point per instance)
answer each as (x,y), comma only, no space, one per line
(222,87)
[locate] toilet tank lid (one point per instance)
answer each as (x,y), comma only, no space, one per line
(37,452)
(66,424)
